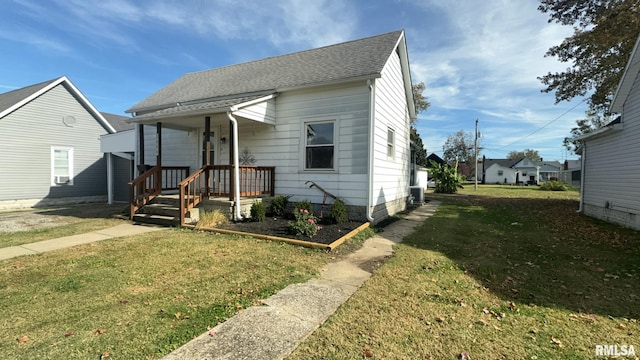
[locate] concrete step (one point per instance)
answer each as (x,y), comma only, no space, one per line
(159,219)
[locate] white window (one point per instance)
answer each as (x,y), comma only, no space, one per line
(61,165)
(319,146)
(500,172)
(391,138)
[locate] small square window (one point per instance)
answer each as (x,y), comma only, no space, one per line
(500,172)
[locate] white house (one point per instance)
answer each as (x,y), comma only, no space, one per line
(499,171)
(50,146)
(611,156)
(338,116)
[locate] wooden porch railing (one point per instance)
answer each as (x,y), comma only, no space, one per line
(218,180)
(151,183)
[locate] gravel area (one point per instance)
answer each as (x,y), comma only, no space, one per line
(33,219)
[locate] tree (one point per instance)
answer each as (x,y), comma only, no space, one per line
(591,123)
(421,102)
(421,105)
(458,146)
(527,153)
(420,152)
(605,32)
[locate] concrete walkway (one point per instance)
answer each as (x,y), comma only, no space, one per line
(274,330)
(68,241)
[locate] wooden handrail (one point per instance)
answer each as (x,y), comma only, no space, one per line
(151,183)
(192,191)
(144,188)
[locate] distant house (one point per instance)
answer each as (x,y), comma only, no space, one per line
(437,159)
(499,171)
(337,116)
(611,156)
(571,172)
(51,149)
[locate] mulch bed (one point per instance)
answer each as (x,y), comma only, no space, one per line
(278,227)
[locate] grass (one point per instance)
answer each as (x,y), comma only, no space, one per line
(138,297)
(510,273)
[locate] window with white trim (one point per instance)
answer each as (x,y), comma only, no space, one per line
(391,138)
(319,146)
(61,165)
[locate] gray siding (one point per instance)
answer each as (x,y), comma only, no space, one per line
(27,135)
(612,168)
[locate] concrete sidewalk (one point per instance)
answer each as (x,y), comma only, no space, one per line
(68,241)
(274,330)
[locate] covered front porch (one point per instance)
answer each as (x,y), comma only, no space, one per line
(192,168)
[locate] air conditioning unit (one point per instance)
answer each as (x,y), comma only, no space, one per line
(61,179)
(417,193)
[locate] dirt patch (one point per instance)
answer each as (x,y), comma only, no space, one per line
(279,227)
(34,219)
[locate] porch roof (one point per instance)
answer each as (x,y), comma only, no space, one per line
(211,106)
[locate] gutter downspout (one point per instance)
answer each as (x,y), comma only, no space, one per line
(372,118)
(582,176)
(236,166)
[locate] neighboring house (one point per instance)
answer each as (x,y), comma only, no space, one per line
(519,171)
(571,172)
(50,146)
(611,156)
(119,150)
(437,159)
(499,171)
(338,116)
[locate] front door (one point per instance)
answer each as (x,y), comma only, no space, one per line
(211,149)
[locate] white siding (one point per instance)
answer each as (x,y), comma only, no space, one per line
(282,145)
(179,148)
(612,167)
(27,135)
(492,175)
(391,174)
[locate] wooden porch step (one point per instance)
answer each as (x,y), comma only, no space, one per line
(158,219)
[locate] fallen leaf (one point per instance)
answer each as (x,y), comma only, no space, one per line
(440,319)
(367,353)
(68,333)
(212,333)
(512,305)
(23,339)
(178,315)
(124,302)
(104,355)
(556,342)
(100,331)
(622,326)
(464,356)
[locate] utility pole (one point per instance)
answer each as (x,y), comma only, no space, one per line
(475,150)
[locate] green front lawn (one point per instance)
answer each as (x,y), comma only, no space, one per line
(509,273)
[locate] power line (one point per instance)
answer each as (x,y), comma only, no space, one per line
(549,123)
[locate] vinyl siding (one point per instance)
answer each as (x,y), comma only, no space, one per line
(27,135)
(612,163)
(391,174)
(492,177)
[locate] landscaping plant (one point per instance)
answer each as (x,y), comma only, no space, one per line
(554,185)
(338,212)
(278,205)
(213,218)
(258,211)
(446,177)
(304,224)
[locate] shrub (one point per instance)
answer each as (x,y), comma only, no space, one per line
(213,218)
(305,223)
(554,186)
(258,211)
(278,205)
(446,178)
(338,212)
(304,204)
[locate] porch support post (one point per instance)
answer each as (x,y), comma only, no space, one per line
(158,144)
(207,153)
(140,147)
(159,154)
(232,178)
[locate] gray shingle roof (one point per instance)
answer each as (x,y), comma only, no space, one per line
(209,106)
(334,63)
(13,97)
(502,162)
(118,122)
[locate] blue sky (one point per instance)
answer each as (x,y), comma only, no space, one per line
(478,58)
